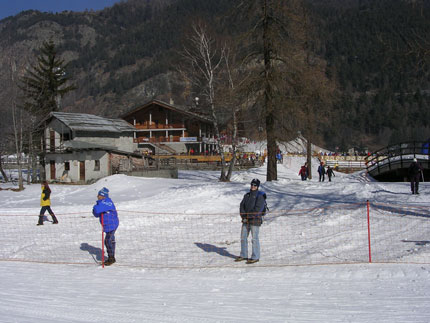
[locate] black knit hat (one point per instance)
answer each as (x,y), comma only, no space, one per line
(256,182)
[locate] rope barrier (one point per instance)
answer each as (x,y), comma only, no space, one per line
(325,235)
(272,212)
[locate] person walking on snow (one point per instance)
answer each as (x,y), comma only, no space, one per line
(105,210)
(414,172)
(303,172)
(251,211)
(330,173)
(45,203)
(321,171)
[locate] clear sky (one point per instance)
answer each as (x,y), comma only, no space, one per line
(13,7)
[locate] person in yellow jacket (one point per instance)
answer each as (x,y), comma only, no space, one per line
(45,203)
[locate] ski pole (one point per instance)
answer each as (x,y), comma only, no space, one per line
(103,245)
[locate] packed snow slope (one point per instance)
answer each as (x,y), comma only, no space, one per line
(304,286)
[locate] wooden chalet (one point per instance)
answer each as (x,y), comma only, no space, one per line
(164,128)
(82,148)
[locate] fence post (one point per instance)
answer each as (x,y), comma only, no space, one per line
(103,245)
(368,230)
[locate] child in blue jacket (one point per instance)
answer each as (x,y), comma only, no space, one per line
(106,212)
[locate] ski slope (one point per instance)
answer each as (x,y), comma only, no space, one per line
(291,283)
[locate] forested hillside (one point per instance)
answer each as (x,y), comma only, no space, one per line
(376,52)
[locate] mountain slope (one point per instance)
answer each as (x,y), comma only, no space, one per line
(124,55)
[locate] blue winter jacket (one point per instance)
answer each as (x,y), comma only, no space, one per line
(110,216)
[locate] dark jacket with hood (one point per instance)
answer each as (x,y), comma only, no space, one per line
(252,207)
(414,171)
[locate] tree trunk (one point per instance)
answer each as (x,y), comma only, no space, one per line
(272,171)
(3,173)
(30,155)
(42,156)
(309,156)
(222,177)
(233,145)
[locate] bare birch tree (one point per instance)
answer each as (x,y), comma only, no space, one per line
(2,152)
(235,108)
(205,60)
(17,123)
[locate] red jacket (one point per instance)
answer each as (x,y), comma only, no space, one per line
(302,170)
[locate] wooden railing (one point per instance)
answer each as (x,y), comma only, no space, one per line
(158,139)
(398,156)
(152,125)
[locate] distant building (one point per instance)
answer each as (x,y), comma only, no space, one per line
(82,148)
(167,129)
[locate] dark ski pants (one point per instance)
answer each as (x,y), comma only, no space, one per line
(415,183)
(42,213)
(110,243)
(46,208)
(322,177)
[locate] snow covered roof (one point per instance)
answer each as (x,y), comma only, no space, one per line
(90,122)
(297,145)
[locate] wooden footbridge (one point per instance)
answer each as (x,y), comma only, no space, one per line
(390,164)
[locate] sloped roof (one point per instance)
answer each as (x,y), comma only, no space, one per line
(297,145)
(82,145)
(75,145)
(90,122)
(170,107)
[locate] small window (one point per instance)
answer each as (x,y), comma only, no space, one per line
(97,165)
(67,166)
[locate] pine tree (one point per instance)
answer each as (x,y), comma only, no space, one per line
(45,82)
(285,75)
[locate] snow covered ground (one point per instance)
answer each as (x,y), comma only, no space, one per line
(177,240)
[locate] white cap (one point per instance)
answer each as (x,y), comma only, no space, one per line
(415,160)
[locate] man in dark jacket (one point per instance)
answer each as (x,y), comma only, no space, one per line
(106,212)
(251,211)
(414,173)
(321,171)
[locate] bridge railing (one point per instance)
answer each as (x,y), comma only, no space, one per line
(402,153)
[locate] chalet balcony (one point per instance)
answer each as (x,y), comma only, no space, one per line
(161,139)
(153,126)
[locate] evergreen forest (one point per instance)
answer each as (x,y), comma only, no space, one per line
(376,53)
